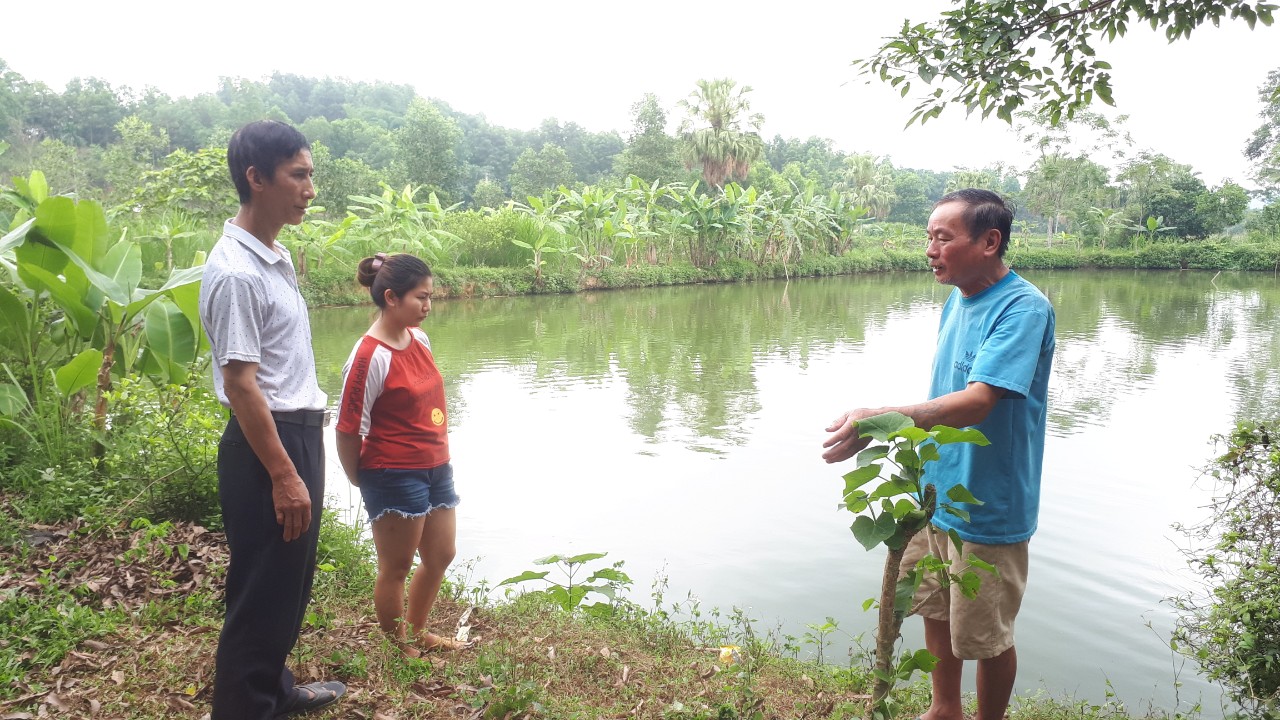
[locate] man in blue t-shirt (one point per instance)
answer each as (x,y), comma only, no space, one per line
(991,371)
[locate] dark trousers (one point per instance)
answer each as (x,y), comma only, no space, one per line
(269,580)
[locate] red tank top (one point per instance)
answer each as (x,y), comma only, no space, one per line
(395,399)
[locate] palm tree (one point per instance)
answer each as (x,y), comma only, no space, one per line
(868,183)
(720,146)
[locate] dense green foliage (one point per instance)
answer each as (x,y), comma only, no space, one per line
(156,163)
(1232,629)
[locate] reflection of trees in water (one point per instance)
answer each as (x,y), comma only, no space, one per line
(1114,327)
(1256,375)
(688,355)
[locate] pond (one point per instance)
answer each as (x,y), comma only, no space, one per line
(679,429)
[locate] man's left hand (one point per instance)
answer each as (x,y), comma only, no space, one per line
(844,442)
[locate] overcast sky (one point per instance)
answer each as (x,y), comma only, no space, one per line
(519,62)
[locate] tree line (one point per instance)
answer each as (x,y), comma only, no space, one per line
(147,150)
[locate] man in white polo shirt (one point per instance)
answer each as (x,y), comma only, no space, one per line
(271,457)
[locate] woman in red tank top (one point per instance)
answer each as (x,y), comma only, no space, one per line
(393,443)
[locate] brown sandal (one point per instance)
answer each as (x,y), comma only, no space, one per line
(430,642)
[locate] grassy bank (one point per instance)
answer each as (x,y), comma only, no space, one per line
(121,621)
(334,284)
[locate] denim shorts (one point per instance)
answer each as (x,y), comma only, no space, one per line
(409,493)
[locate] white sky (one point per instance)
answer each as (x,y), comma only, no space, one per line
(518,63)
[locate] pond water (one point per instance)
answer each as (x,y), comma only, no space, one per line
(679,430)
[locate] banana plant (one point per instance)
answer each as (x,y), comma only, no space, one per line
(104,322)
(539,232)
(398,221)
(892,512)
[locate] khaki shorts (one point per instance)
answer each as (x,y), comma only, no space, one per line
(982,627)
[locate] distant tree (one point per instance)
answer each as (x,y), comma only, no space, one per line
(426,146)
(536,171)
(1063,188)
(868,183)
(194,182)
(12,101)
(338,178)
(1222,207)
(140,148)
(1141,177)
(986,50)
(488,194)
(69,170)
(720,135)
(651,154)
(1176,202)
(591,154)
(911,198)
(189,122)
(1263,148)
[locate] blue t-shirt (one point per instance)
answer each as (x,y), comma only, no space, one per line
(1002,336)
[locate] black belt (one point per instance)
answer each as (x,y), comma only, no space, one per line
(306,418)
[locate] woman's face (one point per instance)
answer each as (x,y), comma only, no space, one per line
(413,307)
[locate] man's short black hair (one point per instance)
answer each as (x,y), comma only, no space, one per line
(263,145)
(983,210)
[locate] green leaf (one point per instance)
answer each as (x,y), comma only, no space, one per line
(169,333)
(857,478)
(969,584)
(123,265)
(188,279)
(873,454)
(925,660)
(84,318)
(981,564)
(611,574)
(38,187)
(15,326)
(80,373)
(56,220)
(882,426)
(524,576)
(871,532)
(15,237)
(961,494)
(108,284)
(583,558)
(944,435)
(12,400)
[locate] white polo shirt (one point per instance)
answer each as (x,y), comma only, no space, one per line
(252,311)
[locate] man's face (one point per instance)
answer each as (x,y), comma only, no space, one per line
(955,257)
(290,192)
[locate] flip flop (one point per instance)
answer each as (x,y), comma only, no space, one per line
(312,696)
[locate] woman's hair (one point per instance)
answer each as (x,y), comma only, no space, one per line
(399,273)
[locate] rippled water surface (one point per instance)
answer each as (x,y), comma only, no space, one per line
(679,429)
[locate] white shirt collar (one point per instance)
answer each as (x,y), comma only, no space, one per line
(247,239)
